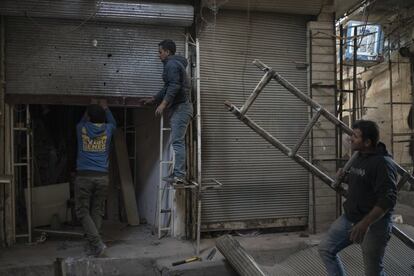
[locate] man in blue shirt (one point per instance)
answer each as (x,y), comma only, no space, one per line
(94,133)
(174,97)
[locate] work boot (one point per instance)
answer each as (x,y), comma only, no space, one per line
(97,251)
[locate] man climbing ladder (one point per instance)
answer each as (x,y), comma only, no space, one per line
(174,97)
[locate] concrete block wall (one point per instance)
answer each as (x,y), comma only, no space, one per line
(321,57)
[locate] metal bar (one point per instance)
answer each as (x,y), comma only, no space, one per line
(60,232)
(59,267)
(325,113)
(259,87)
(302,96)
(29,176)
(13,173)
(160,182)
(338,111)
(21,164)
(403,237)
(2,92)
(391,103)
(305,133)
(402,181)
(354,96)
(236,255)
(199,172)
(118,101)
(283,148)
(313,225)
(348,164)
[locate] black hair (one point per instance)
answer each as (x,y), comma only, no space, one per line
(168,44)
(96,114)
(369,130)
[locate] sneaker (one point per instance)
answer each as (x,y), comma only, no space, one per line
(97,251)
(174,180)
(100,250)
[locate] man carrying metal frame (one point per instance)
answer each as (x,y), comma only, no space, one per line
(371,197)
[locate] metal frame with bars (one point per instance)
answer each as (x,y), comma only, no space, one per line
(292,153)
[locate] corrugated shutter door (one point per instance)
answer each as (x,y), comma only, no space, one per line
(55,56)
(260,183)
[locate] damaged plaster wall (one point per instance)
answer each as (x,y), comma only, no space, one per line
(378,99)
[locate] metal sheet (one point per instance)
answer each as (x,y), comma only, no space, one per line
(309,7)
(398,260)
(58,57)
(259,181)
(101,10)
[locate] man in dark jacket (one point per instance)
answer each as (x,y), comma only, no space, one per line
(174,96)
(91,183)
(370,201)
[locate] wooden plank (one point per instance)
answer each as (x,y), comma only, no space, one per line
(112,203)
(127,185)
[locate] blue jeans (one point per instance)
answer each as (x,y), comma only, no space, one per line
(180,116)
(373,246)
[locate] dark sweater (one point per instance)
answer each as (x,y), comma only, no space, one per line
(372,182)
(176,82)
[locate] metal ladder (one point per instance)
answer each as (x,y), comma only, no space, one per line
(21,127)
(292,153)
(165,191)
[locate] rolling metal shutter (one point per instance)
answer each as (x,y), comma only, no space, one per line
(58,57)
(262,187)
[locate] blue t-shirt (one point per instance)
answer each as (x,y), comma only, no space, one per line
(94,141)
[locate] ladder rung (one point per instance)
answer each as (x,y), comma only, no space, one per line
(165,228)
(20,164)
(20,128)
(163,211)
(166,187)
(166,162)
(166,128)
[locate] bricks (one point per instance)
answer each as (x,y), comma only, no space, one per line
(323,73)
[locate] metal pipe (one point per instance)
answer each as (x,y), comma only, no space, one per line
(311,140)
(403,237)
(13,172)
(160,190)
(29,176)
(305,133)
(199,175)
(237,256)
(391,103)
(354,96)
(338,111)
(282,81)
(259,87)
(2,92)
(283,148)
